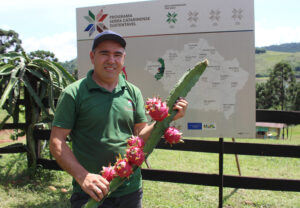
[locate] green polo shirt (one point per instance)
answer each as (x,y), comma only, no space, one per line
(100,123)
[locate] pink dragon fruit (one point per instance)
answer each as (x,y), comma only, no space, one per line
(108,173)
(136,142)
(157,109)
(172,135)
(123,167)
(135,155)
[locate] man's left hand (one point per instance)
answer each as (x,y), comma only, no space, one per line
(181,106)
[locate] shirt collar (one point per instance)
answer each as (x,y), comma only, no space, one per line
(92,85)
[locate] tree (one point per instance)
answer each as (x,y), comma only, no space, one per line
(45,55)
(9,41)
(263,97)
(41,79)
(281,86)
(260,50)
(297,98)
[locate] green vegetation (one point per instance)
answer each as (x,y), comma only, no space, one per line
(9,41)
(266,61)
(41,54)
(286,47)
(71,67)
(279,91)
(17,190)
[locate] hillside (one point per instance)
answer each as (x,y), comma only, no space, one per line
(266,61)
(70,65)
(286,47)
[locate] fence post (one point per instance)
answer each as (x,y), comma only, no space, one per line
(221,177)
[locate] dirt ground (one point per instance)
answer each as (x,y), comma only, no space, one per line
(5,137)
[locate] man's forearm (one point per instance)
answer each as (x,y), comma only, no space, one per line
(66,159)
(146,131)
(93,184)
(63,154)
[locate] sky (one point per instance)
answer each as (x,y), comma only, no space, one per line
(51,24)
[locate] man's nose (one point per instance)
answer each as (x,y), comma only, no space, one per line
(111,59)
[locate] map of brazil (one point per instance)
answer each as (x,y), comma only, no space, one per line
(218,86)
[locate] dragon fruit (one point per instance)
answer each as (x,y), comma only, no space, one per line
(123,167)
(135,155)
(157,109)
(108,173)
(136,142)
(172,135)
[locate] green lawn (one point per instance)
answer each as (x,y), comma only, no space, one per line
(17,190)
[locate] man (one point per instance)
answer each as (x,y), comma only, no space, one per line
(100,112)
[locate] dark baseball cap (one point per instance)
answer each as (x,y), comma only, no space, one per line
(108,35)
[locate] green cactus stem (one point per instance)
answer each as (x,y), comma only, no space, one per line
(181,89)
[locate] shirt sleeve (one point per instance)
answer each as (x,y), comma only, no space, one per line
(65,112)
(140,116)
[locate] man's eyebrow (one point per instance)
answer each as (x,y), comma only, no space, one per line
(104,51)
(107,51)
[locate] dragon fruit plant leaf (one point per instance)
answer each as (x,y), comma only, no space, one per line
(181,89)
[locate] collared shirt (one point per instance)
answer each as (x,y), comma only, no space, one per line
(100,123)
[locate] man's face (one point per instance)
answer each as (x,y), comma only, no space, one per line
(108,60)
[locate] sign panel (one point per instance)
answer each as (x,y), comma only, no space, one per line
(167,37)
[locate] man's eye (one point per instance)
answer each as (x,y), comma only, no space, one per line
(118,54)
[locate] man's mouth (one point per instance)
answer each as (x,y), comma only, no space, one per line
(109,68)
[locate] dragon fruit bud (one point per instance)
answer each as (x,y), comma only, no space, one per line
(123,168)
(157,109)
(135,155)
(172,135)
(136,141)
(108,173)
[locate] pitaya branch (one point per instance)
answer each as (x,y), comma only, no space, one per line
(181,89)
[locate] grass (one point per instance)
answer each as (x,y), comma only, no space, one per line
(266,61)
(160,194)
(18,190)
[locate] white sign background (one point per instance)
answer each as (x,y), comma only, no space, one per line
(183,33)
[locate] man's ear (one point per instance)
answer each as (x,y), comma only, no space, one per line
(92,55)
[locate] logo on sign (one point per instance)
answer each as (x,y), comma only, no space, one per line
(209,126)
(172,17)
(193,18)
(95,22)
(237,15)
(215,16)
(194,126)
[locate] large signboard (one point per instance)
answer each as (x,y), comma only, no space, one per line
(167,37)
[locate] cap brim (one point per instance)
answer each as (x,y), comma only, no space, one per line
(113,37)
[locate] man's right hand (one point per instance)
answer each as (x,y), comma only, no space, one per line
(95,185)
